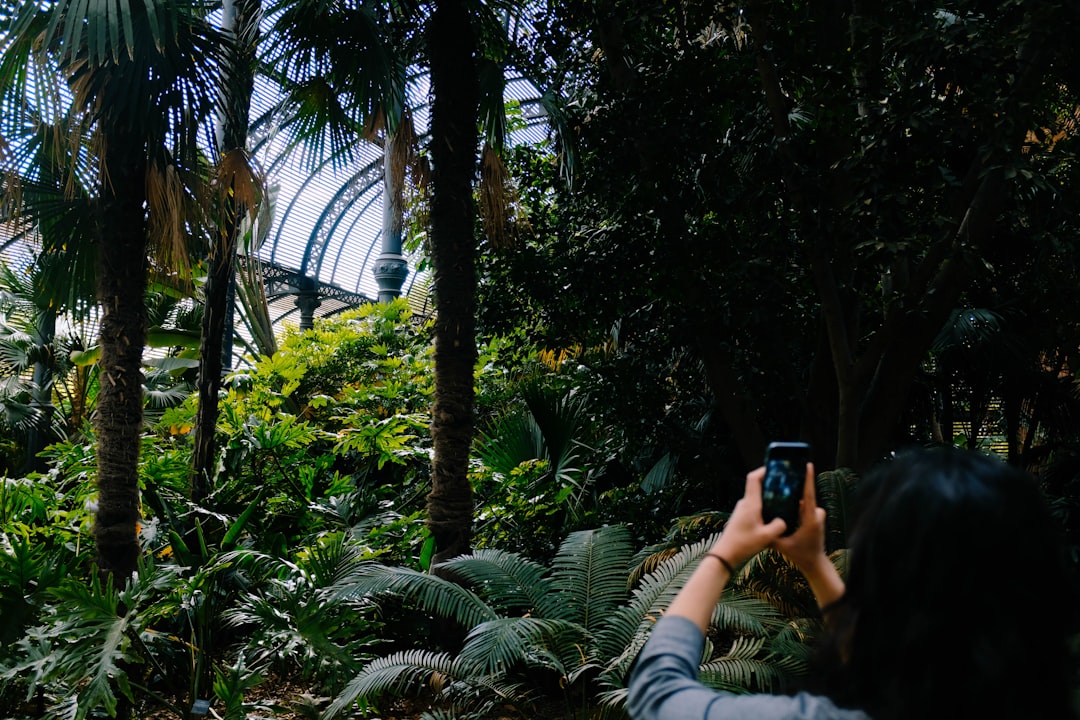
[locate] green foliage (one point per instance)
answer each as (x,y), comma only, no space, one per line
(520,618)
(95,642)
(776,195)
(575,625)
(44,524)
(546,462)
(230,684)
(751,644)
(295,617)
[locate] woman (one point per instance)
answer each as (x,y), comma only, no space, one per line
(956,604)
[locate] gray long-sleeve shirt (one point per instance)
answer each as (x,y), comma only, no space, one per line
(664,686)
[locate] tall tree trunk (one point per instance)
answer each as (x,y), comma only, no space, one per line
(242,19)
(454,138)
(122,278)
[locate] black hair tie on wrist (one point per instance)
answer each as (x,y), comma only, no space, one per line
(723,561)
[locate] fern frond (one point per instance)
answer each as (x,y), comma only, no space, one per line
(505,580)
(650,599)
(432,593)
(589,575)
(494,646)
(772,578)
(792,648)
(481,693)
(612,703)
(397,673)
(754,665)
(835,492)
(330,563)
(690,529)
(743,612)
(741,675)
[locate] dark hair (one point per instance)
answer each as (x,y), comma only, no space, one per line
(958,603)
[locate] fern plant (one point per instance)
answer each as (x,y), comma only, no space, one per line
(569,633)
(755,644)
(523,622)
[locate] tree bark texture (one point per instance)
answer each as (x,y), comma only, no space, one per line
(243,21)
(122,278)
(454,138)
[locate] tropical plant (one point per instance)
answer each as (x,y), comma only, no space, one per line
(115,657)
(293,619)
(535,479)
(345,87)
(517,617)
(563,636)
(756,643)
(138,81)
(239,194)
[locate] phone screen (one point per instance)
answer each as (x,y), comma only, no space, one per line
(782,488)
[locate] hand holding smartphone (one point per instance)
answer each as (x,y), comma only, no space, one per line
(785,478)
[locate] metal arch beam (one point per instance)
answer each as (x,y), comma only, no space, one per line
(315,178)
(280,282)
(374,242)
(333,213)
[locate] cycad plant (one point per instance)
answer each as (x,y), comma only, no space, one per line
(527,627)
(757,642)
(562,638)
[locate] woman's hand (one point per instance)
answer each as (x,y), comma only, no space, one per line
(806,546)
(746,533)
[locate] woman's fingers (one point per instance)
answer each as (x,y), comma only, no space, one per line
(752,492)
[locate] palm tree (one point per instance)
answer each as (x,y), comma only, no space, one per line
(238,195)
(30,345)
(344,89)
(454,138)
(137,79)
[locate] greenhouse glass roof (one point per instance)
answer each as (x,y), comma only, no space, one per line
(327,222)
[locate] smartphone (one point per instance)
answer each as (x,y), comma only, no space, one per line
(785,476)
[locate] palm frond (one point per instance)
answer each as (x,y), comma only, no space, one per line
(331,561)
(161,391)
(505,580)
(740,670)
(690,528)
(493,647)
(589,575)
(432,593)
(561,416)
(836,493)
(770,577)
(396,673)
(650,598)
(967,326)
(510,440)
(627,629)
(743,612)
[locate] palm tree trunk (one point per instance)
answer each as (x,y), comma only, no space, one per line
(122,277)
(242,19)
(454,138)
